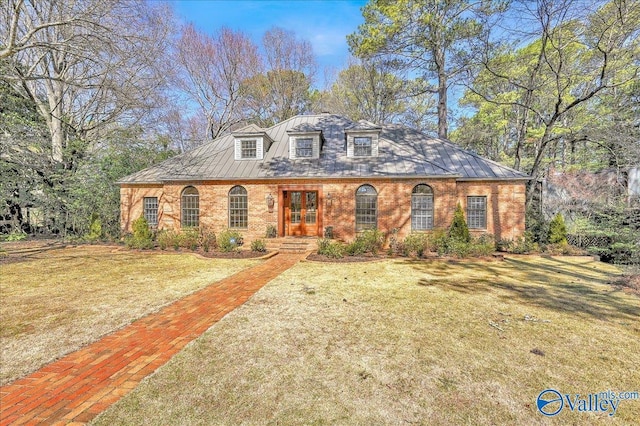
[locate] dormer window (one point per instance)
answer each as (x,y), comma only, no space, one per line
(251,143)
(248,148)
(362,146)
(304,147)
(305,142)
(362,139)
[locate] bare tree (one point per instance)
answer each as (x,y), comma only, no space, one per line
(25,21)
(86,64)
(283,90)
(212,69)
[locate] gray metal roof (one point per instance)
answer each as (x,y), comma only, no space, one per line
(402,152)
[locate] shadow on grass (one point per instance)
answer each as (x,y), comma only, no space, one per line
(555,284)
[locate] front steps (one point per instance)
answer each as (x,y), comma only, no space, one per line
(291,244)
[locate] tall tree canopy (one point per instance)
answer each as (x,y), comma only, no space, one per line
(431,38)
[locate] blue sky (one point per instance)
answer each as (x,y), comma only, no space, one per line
(323,23)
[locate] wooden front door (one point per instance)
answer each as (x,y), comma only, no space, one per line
(301,213)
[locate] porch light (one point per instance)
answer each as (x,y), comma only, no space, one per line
(270,203)
(329,199)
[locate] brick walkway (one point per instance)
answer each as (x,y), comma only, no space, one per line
(82,384)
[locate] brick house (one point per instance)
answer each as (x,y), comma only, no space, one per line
(313,172)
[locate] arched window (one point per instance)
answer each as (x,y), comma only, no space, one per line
(366,208)
(190,207)
(421,208)
(238,208)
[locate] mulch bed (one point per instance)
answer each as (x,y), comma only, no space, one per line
(347,259)
(240,254)
(243,254)
(383,256)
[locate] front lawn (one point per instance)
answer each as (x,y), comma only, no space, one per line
(405,342)
(57,301)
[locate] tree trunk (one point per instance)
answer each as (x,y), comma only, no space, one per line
(439,59)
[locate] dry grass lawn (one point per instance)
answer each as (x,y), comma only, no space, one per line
(405,342)
(60,300)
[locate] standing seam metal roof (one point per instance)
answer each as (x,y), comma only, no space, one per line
(402,152)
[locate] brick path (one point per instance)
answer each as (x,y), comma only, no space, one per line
(79,386)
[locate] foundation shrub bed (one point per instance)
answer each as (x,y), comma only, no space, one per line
(142,237)
(520,245)
(368,241)
(258,246)
(229,241)
(189,238)
(416,244)
(330,248)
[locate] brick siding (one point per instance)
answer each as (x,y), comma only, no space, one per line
(505,204)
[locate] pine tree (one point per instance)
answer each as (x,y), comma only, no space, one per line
(557,230)
(459,231)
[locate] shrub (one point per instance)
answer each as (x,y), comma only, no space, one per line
(16,235)
(459,231)
(207,239)
(395,245)
(557,230)
(190,238)
(355,247)
(164,239)
(484,245)
(330,248)
(176,241)
(520,245)
(142,237)
(458,248)
(95,229)
(417,243)
(272,231)
(259,246)
(323,244)
(229,241)
(537,226)
(371,240)
(440,241)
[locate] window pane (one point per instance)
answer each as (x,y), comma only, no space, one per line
(421,212)
(248,148)
(295,207)
(310,205)
(366,208)
(238,208)
(362,147)
(190,207)
(304,147)
(151,210)
(477,212)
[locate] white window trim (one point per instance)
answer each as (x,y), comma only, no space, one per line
(260,148)
(375,138)
(315,145)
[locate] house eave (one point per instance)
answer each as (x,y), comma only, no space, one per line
(280,178)
(493,179)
